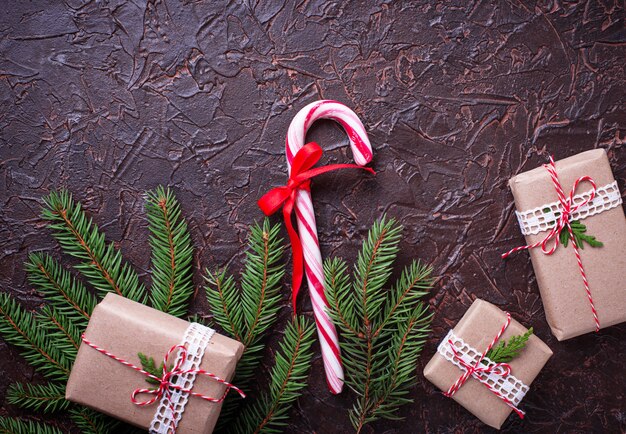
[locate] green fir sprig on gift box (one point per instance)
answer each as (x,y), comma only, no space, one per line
(578,230)
(382,329)
(505,351)
(49,338)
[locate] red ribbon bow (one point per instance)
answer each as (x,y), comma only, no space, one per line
(567,209)
(299,179)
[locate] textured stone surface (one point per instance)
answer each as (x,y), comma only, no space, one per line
(111,98)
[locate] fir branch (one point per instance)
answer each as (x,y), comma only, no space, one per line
(224,300)
(20,328)
(60,331)
(414,283)
(172,253)
(259,302)
(47,398)
(9,425)
(340,297)
(287,378)
(61,289)
(261,280)
(398,366)
(80,237)
(374,267)
(382,331)
(92,422)
(504,351)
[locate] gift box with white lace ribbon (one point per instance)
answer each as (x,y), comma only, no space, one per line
(189,379)
(489,390)
(571,213)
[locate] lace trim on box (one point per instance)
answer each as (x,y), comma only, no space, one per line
(196,339)
(510,387)
(543,217)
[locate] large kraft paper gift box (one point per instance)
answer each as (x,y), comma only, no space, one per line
(125,328)
(472,336)
(568,309)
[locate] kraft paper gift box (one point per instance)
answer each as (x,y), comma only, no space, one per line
(477,329)
(126,328)
(564,297)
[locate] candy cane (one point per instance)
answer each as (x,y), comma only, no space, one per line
(307,229)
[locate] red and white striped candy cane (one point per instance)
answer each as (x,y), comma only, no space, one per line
(307,229)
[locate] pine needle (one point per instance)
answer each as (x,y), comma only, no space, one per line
(67,294)
(382,331)
(172,253)
(21,329)
(80,237)
(47,398)
(9,425)
(268,414)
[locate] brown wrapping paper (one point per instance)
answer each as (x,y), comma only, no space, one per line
(480,324)
(562,291)
(125,328)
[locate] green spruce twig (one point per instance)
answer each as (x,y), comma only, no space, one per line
(21,329)
(92,422)
(9,425)
(46,398)
(287,378)
(80,237)
(61,330)
(505,351)
(382,330)
(172,253)
(247,314)
(67,294)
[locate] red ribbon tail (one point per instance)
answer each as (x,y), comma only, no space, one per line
(296,249)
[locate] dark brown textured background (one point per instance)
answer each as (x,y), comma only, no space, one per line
(111,98)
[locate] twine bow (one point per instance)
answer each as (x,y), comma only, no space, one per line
(302,172)
(501,369)
(567,208)
(167,379)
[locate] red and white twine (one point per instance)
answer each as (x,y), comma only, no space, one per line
(567,208)
(477,371)
(166,385)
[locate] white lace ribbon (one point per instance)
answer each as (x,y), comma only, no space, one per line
(510,387)
(171,407)
(543,217)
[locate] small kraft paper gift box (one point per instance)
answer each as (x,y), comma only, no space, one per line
(572,217)
(489,390)
(189,391)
